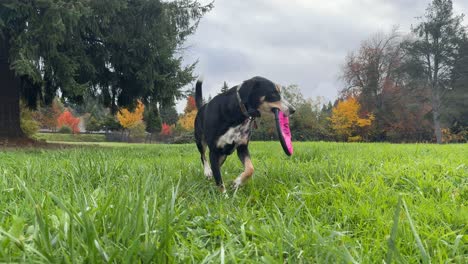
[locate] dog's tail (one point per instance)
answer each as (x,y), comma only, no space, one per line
(198,93)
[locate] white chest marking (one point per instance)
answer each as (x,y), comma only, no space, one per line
(237,135)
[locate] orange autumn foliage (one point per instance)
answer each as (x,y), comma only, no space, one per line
(130,119)
(67,119)
(345,119)
(191,106)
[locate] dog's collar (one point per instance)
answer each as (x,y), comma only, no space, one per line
(242,105)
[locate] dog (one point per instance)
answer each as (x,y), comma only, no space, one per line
(225,123)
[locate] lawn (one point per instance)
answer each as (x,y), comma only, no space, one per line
(52,137)
(328,203)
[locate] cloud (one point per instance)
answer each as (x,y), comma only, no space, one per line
(301,42)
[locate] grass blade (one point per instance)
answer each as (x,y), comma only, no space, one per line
(391,241)
(425,256)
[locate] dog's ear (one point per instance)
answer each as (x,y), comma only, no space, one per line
(251,96)
(246,90)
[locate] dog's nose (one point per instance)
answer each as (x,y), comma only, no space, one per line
(292,110)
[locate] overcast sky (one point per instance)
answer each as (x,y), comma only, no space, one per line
(301,42)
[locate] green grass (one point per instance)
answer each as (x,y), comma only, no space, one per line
(329,203)
(58,137)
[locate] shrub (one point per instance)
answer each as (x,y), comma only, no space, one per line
(166,130)
(129,119)
(449,136)
(355,139)
(137,132)
(28,124)
(92,124)
(67,119)
(183,138)
(65,130)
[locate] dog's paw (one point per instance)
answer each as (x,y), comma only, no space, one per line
(222,190)
(237,183)
(208,172)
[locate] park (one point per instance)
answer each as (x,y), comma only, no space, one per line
(98,109)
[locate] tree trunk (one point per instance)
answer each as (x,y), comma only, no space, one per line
(436,114)
(9,95)
(436,98)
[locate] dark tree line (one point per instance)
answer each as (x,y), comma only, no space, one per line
(415,85)
(114,50)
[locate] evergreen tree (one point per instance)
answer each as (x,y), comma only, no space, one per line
(119,50)
(152,119)
(455,104)
(169,115)
(224,88)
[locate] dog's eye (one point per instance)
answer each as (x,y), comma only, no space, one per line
(273,97)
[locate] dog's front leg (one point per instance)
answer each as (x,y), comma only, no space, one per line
(216,161)
(244,156)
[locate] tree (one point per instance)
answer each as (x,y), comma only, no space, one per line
(92,110)
(374,66)
(187,120)
(224,88)
(118,50)
(407,114)
(128,119)
(455,102)
(47,116)
(324,122)
(436,46)
(345,119)
(293,94)
(28,125)
(307,123)
(67,119)
(169,114)
(190,106)
(371,72)
(152,119)
(92,124)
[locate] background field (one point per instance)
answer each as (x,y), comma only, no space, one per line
(51,137)
(330,202)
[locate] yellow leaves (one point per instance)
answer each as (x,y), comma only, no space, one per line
(130,119)
(363,122)
(345,119)
(187,121)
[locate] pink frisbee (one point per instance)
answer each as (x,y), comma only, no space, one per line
(284,133)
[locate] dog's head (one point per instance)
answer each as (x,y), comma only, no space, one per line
(262,95)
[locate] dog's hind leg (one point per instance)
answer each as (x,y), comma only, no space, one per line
(206,165)
(244,156)
(216,160)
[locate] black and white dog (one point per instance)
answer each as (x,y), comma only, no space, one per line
(224,124)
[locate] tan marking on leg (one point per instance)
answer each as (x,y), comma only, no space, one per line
(246,175)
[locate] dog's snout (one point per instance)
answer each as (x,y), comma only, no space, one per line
(287,107)
(292,110)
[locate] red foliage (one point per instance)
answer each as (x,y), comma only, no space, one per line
(67,119)
(166,130)
(191,105)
